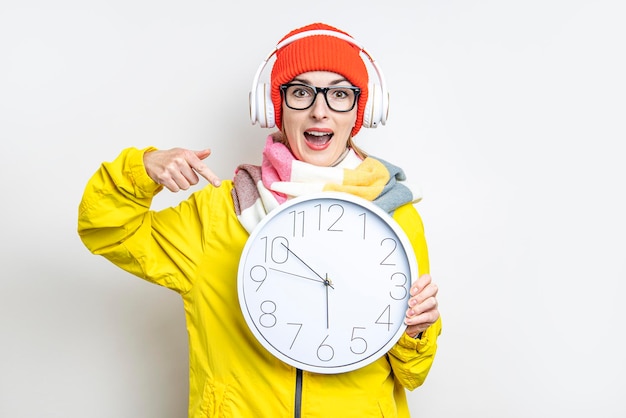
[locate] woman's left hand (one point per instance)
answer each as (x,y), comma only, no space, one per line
(423,307)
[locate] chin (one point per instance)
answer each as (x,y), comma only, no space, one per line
(317,160)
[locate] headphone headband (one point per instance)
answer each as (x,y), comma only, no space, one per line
(315,32)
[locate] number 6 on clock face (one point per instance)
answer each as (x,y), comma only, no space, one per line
(324,282)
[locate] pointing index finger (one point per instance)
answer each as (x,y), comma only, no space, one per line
(208,174)
(201,168)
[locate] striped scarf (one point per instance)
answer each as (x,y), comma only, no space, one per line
(260,189)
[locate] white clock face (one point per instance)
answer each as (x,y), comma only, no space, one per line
(324,282)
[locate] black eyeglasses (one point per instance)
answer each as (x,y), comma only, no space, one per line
(299,96)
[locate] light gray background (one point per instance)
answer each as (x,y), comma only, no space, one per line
(510,114)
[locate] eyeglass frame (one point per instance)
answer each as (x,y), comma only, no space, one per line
(318,90)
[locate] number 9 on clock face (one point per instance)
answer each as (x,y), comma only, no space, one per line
(324,282)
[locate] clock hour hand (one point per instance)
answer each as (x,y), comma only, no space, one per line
(326,281)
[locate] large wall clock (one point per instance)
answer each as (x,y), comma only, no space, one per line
(324,282)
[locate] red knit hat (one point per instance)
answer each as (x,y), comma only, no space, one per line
(319,53)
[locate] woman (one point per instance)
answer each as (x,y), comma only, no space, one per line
(319,92)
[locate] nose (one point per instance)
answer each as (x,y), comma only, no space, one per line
(320,108)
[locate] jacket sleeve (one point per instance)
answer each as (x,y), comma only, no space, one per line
(411,359)
(115,221)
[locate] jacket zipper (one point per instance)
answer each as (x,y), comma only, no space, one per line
(298,404)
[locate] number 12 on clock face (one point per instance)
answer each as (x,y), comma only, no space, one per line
(324,282)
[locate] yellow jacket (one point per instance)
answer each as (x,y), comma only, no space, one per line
(194,249)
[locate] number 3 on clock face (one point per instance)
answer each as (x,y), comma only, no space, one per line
(324,282)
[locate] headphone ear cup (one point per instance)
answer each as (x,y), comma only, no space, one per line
(375,109)
(264,108)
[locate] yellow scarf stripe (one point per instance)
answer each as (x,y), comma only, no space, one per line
(366,181)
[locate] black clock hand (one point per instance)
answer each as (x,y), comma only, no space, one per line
(297,275)
(325,281)
(328,284)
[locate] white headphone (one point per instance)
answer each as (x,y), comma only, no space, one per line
(262,108)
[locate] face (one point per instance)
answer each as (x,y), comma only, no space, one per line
(318,135)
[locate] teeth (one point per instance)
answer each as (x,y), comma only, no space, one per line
(315,133)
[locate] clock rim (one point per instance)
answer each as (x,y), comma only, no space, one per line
(328,195)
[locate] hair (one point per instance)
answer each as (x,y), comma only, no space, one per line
(361,153)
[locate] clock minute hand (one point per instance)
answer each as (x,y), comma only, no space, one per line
(325,281)
(328,284)
(297,275)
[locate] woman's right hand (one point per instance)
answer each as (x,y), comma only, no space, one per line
(176,168)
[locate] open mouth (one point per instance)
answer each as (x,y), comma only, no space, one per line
(317,139)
